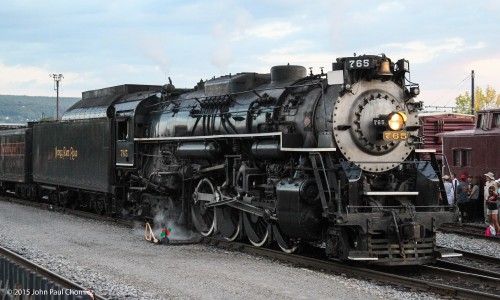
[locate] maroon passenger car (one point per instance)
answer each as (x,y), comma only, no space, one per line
(474,151)
(435,123)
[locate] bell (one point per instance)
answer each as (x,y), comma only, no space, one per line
(385,68)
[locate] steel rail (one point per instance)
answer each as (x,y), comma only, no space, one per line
(480,264)
(479,257)
(467,269)
(354,271)
(468,230)
(43,272)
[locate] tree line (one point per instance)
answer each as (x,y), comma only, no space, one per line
(20,109)
(483,99)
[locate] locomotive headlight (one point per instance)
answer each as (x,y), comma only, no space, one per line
(397,120)
(414,91)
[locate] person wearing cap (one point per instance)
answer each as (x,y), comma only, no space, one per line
(490,181)
(448,187)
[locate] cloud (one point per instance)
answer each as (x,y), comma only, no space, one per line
(28,79)
(453,78)
(421,52)
(298,53)
(393,6)
(486,71)
(273,30)
(221,56)
(37,81)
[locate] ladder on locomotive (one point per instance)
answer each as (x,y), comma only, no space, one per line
(326,180)
(437,169)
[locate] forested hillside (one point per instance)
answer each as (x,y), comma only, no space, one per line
(19,109)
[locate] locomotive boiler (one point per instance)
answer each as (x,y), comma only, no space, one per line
(286,158)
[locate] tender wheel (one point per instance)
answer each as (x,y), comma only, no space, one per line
(286,244)
(100,207)
(204,218)
(256,228)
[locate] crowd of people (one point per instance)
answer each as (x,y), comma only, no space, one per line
(475,199)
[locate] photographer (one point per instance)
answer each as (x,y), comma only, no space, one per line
(492,210)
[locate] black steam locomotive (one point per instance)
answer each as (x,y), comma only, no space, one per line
(290,158)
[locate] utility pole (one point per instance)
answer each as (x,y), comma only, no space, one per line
(472,92)
(57,78)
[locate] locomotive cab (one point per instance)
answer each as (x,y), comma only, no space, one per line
(128,114)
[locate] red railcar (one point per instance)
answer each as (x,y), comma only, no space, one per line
(435,123)
(474,151)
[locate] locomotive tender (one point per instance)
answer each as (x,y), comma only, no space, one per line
(330,159)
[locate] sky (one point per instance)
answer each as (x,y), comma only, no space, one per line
(96,44)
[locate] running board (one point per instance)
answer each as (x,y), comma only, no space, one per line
(447,252)
(361,255)
(381,193)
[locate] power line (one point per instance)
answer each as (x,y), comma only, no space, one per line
(451,91)
(461,83)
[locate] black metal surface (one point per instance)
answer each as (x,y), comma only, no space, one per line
(15,155)
(299,209)
(199,150)
(267,149)
(287,73)
(235,83)
(74,154)
(97,103)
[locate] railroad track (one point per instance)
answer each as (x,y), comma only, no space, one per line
(422,278)
(448,277)
(24,279)
(477,231)
(473,263)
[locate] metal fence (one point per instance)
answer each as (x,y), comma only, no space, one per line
(19,283)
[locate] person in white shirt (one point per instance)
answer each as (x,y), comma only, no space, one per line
(454,183)
(448,187)
(490,181)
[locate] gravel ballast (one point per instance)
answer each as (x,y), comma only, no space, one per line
(118,263)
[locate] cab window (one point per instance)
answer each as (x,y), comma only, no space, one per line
(122,130)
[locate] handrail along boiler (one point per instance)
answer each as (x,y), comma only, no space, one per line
(330,159)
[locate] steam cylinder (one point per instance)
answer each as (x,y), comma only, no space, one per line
(297,218)
(199,150)
(267,149)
